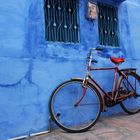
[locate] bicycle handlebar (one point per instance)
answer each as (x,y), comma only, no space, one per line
(96,49)
(89,56)
(99,49)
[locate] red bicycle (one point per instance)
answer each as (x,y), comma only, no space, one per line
(76,104)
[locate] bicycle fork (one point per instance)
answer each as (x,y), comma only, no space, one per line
(84,85)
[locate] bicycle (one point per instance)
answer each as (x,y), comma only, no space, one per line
(76,104)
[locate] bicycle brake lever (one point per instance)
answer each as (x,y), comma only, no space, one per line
(94,61)
(99,49)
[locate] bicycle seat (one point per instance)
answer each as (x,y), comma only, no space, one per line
(117,60)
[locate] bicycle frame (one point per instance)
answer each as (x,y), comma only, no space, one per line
(114,92)
(89,78)
(114,81)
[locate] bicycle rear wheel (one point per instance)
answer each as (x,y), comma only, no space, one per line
(131,104)
(66,114)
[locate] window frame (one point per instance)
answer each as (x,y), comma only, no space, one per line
(115,33)
(76,26)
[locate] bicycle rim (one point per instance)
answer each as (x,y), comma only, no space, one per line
(131,104)
(73,118)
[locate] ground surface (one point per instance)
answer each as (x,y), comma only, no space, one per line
(116,127)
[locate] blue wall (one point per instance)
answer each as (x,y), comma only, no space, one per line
(31,67)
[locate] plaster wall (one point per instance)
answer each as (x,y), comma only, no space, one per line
(31,67)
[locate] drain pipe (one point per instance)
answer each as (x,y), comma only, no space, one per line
(30,135)
(34,134)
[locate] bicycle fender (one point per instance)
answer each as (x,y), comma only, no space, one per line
(77,78)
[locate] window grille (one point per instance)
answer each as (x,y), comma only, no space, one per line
(61,21)
(108,25)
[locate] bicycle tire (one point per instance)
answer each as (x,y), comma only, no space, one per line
(130,105)
(68,117)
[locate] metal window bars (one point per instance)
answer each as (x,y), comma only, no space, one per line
(108,25)
(61,20)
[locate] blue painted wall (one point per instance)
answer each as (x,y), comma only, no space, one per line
(30,67)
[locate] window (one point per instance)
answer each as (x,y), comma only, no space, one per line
(61,21)
(108,25)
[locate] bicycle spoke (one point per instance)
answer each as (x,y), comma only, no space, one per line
(88,104)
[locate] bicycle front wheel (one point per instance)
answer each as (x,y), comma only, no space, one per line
(69,116)
(131,104)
